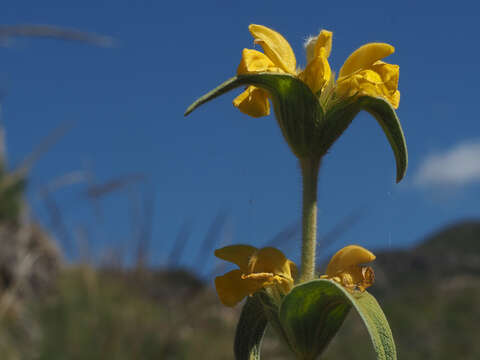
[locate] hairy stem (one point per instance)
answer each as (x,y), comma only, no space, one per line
(310,168)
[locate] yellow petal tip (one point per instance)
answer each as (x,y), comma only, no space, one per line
(351,255)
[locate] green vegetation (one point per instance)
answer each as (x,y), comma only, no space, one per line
(430,295)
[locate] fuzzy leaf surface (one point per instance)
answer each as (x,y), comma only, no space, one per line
(313,312)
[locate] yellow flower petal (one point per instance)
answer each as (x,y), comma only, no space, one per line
(365,56)
(231,288)
(349,256)
(317,73)
(370,82)
(285,284)
(264,268)
(324,41)
(354,278)
(255,61)
(365,82)
(389,74)
(293,269)
(270,260)
(237,254)
(395,99)
(261,280)
(319,45)
(392,97)
(275,47)
(253,102)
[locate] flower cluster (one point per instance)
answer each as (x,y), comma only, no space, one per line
(268,268)
(313,108)
(258,269)
(363,73)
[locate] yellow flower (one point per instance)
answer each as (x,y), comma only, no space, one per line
(278,57)
(311,108)
(362,73)
(345,268)
(258,268)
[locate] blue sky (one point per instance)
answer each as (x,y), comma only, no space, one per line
(127,102)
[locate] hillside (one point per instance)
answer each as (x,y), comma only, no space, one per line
(429,293)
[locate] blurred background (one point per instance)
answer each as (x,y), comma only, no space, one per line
(111,202)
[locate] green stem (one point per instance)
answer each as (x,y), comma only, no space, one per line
(309,167)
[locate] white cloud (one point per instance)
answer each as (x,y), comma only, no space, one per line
(457,166)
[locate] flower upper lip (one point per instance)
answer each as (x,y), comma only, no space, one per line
(346,267)
(352,255)
(275,47)
(364,57)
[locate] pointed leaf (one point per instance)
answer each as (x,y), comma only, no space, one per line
(250,330)
(221,89)
(312,313)
(341,115)
(297,109)
(278,85)
(386,116)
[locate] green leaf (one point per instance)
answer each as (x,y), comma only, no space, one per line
(386,116)
(297,109)
(250,330)
(312,313)
(305,127)
(278,85)
(376,323)
(341,115)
